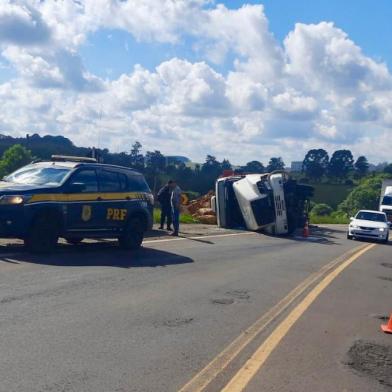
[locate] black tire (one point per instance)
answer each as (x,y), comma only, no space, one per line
(43,233)
(386,240)
(133,234)
(74,240)
(349,237)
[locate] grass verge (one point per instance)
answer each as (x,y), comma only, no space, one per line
(329,219)
(184,218)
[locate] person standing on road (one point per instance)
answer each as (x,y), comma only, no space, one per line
(164,198)
(175,205)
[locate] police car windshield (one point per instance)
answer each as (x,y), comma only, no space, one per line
(39,175)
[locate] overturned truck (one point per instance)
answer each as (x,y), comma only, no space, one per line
(271,202)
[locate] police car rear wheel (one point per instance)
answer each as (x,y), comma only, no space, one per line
(133,234)
(43,234)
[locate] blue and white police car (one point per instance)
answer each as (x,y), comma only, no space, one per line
(74,198)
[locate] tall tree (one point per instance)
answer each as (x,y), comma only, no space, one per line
(155,161)
(254,167)
(341,163)
(275,163)
(211,165)
(315,163)
(14,158)
(210,171)
(155,165)
(226,165)
(136,157)
(361,166)
(388,169)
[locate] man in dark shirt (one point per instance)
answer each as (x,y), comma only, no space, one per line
(164,198)
(175,206)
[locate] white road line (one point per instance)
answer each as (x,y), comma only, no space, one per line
(201,237)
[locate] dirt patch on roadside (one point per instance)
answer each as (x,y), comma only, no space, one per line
(372,360)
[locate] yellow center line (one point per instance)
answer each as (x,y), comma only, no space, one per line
(242,378)
(222,360)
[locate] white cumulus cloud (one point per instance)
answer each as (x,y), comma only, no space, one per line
(315,89)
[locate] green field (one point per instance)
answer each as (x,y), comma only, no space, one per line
(331,194)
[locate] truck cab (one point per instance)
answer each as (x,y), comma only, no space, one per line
(270,202)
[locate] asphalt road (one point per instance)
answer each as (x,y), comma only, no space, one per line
(95,318)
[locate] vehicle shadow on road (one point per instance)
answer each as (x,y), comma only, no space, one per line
(155,233)
(97,254)
(318,235)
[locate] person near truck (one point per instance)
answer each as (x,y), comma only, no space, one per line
(175,205)
(164,198)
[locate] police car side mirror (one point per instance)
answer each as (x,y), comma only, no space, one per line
(76,187)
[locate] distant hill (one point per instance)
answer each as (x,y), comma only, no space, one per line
(44,146)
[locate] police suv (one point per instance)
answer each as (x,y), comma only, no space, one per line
(74,198)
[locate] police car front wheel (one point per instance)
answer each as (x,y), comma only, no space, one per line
(132,236)
(43,234)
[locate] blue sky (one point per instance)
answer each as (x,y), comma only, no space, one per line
(241,80)
(109,53)
(368,23)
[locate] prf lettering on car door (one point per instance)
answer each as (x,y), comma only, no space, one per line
(117,214)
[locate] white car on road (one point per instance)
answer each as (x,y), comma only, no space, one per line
(369,224)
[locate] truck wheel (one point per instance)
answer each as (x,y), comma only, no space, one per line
(132,236)
(386,240)
(349,237)
(74,240)
(43,234)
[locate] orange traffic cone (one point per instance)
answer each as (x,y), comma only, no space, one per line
(305,233)
(387,328)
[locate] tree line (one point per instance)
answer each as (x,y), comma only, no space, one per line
(197,178)
(157,168)
(318,164)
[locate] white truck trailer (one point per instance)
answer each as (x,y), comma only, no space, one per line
(386,199)
(270,202)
